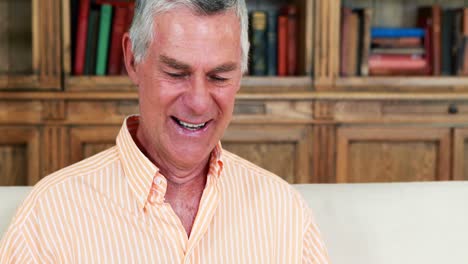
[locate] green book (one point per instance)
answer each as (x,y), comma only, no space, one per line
(103,42)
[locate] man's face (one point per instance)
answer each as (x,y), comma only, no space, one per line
(187,84)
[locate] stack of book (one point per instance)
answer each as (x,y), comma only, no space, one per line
(97,30)
(398,51)
(273,42)
(437,45)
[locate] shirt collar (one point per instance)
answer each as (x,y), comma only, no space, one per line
(143,176)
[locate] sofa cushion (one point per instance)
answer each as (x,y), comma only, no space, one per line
(392,222)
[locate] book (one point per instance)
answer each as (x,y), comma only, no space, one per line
(459,38)
(282,45)
(400,51)
(365,24)
(291,12)
(81,33)
(258,43)
(380,32)
(350,43)
(345,39)
(429,18)
(130,14)
(74,7)
(119,26)
(91,41)
(405,42)
(105,21)
(397,65)
(272,43)
(447,31)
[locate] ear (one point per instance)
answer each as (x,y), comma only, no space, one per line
(129,58)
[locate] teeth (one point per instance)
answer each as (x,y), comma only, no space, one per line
(191,126)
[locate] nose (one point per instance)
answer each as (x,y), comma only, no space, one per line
(197,97)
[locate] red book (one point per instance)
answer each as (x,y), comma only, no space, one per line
(119,26)
(282,45)
(291,12)
(406,42)
(429,18)
(397,65)
(81,32)
(130,13)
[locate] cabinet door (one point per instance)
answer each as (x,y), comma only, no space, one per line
(87,141)
(460,154)
(30,49)
(393,154)
(19,156)
(283,150)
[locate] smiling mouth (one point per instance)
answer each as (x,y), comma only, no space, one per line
(189,126)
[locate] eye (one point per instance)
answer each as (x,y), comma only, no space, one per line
(176,75)
(218,78)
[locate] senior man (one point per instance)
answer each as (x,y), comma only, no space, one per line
(167,192)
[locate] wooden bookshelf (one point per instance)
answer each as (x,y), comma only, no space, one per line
(30,50)
(254,84)
(328,128)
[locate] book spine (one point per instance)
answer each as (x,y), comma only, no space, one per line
(397,62)
(258,47)
(345,39)
(407,42)
(366,41)
(81,32)
(119,25)
(436,40)
(353,46)
(130,13)
(447,42)
(272,43)
(91,43)
(292,40)
(397,32)
(282,45)
(103,42)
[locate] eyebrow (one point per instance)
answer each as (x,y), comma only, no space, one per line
(227,67)
(173,63)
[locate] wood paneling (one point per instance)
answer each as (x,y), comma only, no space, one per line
(54,149)
(19,155)
(283,150)
(460,154)
(87,141)
(387,154)
(12,165)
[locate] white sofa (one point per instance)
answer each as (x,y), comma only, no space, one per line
(370,223)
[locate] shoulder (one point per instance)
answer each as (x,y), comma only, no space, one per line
(260,182)
(61,184)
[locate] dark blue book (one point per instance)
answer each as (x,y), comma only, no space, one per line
(272,43)
(91,40)
(447,31)
(379,32)
(258,66)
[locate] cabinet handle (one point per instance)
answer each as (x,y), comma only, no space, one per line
(453,109)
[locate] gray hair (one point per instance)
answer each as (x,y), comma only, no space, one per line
(142,31)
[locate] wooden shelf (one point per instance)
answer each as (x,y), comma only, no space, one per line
(299,96)
(249,84)
(404,84)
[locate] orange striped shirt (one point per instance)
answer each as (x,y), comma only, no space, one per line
(110,208)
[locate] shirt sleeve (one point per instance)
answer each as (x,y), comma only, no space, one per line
(14,247)
(314,251)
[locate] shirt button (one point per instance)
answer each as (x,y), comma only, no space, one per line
(158,180)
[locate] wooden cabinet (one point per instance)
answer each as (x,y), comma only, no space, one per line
(460,154)
(19,155)
(284,150)
(393,154)
(314,127)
